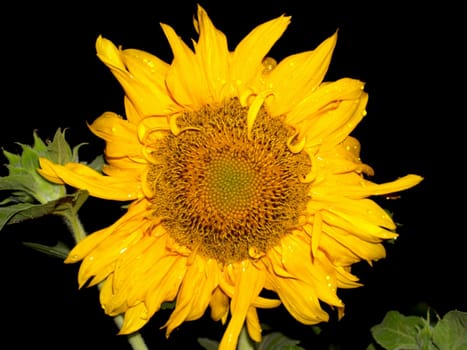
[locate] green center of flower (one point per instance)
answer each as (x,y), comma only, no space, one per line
(225,193)
(230,185)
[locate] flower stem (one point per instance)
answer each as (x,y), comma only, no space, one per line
(135,339)
(75,226)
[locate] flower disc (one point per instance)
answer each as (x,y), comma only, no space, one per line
(225,194)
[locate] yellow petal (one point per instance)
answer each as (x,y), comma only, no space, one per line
(300,300)
(219,305)
(150,265)
(324,97)
(145,66)
(345,249)
(346,279)
(195,292)
(300,293)
(185,79)
(48,171)
(135,318)
(134,260)
(318,273)
(356,187)
(248,285)
(101,262)
(253,111)
(120,135)
(298,75)
(214,56)
(109,53)
(136,211)
(316,233)
(150,71)
(253,325)
(146,98)
(87,244)
(363,209)
(401,184)
(358,226)
(339,253)
(248,56)
(165,283)
(162,285)
(106,290)
(85,178)
(131,112)
(112,305)
(124,168)
(333,125)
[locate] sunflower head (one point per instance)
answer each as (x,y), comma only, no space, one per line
(242,177)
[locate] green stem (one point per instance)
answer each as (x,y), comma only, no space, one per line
(135,339)
(74,224)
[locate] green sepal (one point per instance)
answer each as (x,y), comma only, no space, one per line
(23,180)
(26,194)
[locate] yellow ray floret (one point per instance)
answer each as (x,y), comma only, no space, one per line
(85,178)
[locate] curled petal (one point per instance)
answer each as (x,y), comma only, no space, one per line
(219,305)
(253,325)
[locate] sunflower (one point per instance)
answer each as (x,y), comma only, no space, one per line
(245,189)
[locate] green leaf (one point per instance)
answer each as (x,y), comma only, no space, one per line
(398,332)
(98,163)
(66,205)
(278,341)
(70,203)
(60,250)
(208,344)
(15,213)
(450,333)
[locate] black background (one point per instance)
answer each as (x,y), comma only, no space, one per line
(406,55)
